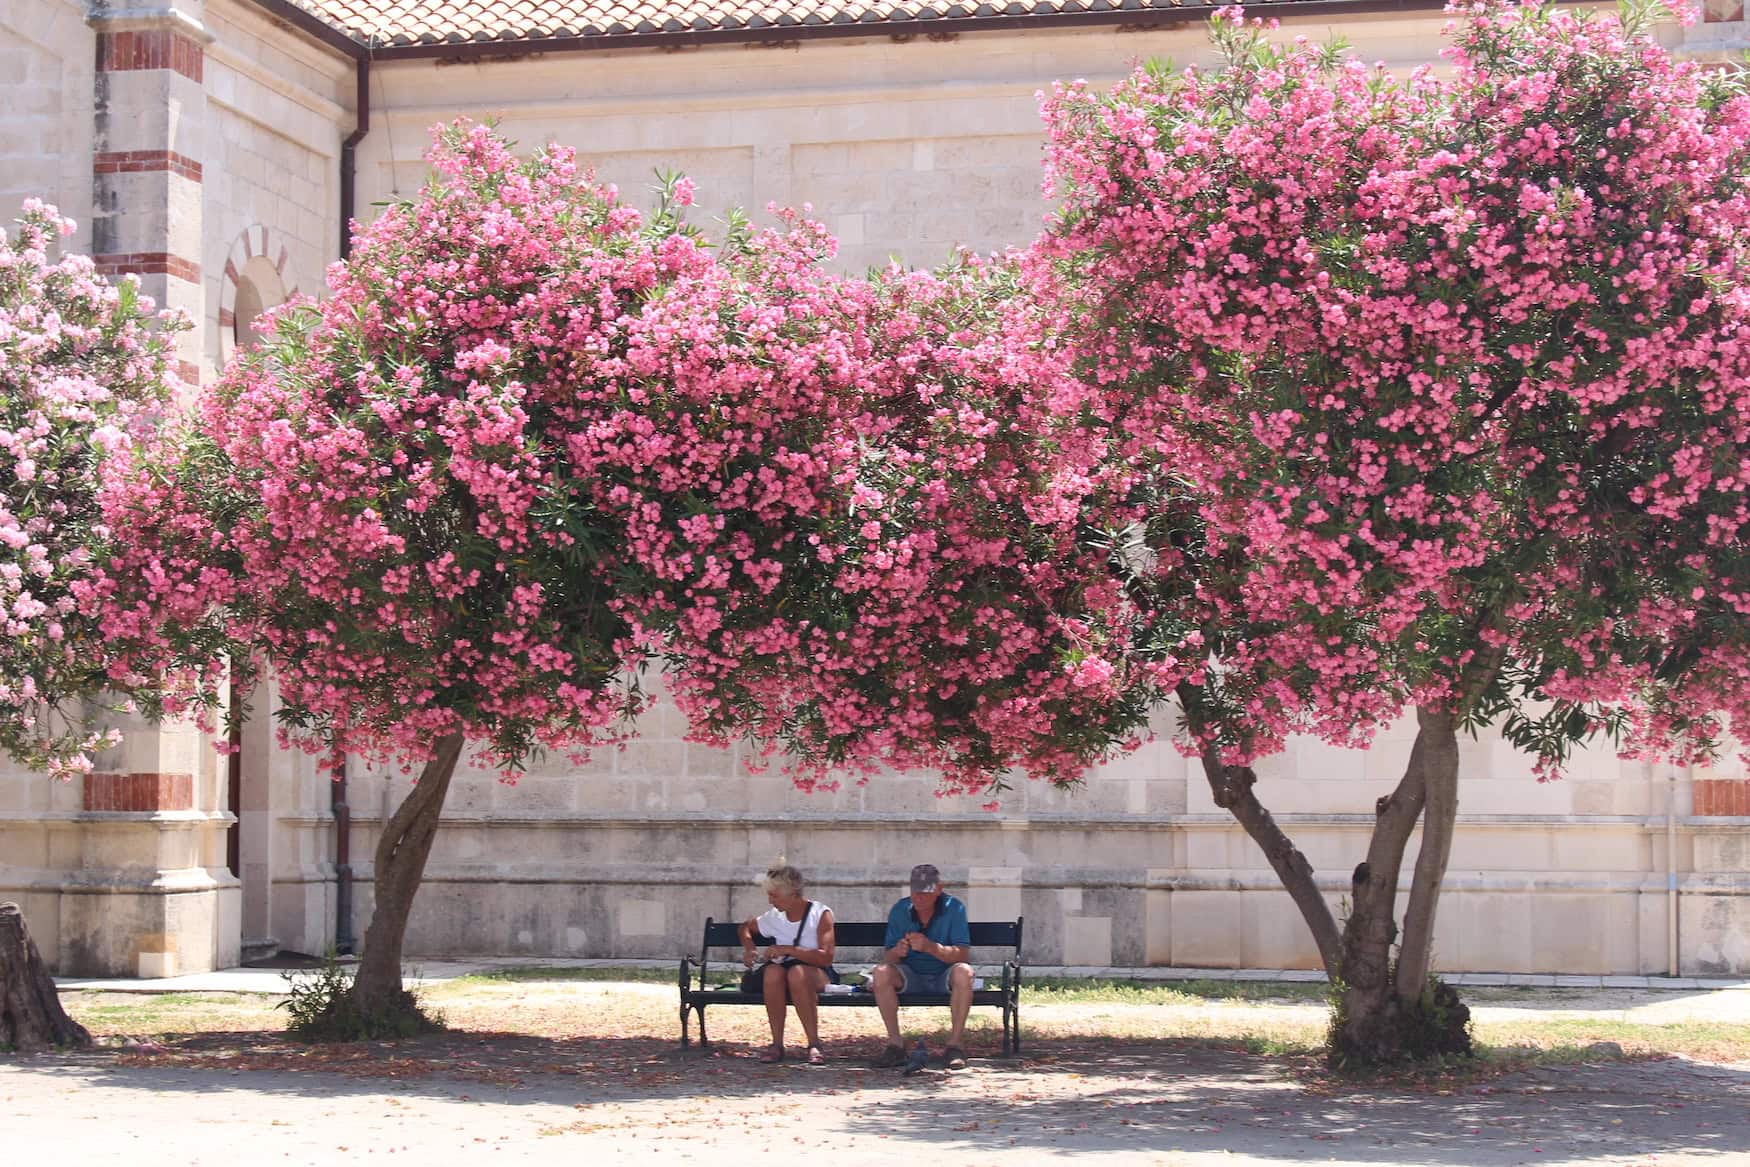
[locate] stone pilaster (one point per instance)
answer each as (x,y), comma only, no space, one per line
(150,108)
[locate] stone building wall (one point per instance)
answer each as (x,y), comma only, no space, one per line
(47,66)
(903,149)
(628,855)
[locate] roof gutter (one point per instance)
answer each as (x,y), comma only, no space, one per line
(359,53)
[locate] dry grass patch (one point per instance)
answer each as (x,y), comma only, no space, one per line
(168,1015)
(505,1027)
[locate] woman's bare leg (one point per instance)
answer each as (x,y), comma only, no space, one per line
(806,982)
(774,988)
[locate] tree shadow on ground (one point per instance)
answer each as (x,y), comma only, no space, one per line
(1067,1097)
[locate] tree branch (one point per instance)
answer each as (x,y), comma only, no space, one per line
(1231,787)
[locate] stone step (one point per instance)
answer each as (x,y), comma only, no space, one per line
(264,948)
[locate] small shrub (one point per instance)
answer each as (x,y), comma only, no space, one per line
(323,1007)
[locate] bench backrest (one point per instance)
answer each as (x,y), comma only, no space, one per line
(859,934)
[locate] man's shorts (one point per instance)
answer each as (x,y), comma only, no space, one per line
(912,981)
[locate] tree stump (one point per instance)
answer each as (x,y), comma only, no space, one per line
(31,1017)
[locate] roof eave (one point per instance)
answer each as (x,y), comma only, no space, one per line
(474,50)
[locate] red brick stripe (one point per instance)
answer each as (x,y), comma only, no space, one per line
(1722,797)
(148,263)
(154,48)
(137,792)
(189,372)
(145,162)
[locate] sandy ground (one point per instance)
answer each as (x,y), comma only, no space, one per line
(1205,1107)
(595,1095)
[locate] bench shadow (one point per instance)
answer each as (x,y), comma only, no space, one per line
(1066,1097)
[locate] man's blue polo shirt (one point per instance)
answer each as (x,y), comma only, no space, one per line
(948,927)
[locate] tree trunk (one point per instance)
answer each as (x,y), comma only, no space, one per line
(399,866)
(1386,1010)
(31,1017)
(1386,1014)
(1439,815)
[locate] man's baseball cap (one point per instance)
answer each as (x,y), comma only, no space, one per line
(925,877)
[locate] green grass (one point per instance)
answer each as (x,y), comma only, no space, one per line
(533,973)
(1094,991)
(1038,990)
(160,1013)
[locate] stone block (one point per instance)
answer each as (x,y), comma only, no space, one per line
(1204,928)
(640,917)
(1087,939)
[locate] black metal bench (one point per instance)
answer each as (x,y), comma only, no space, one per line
(698,993)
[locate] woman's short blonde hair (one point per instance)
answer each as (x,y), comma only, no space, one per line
(782,878)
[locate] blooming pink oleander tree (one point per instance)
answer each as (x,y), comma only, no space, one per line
(378,503)
(1449,381)
(85,367)
(532,442)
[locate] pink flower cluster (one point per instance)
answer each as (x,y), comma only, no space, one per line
(1455,373)
(1324,395)
(533,442)
(84,368)
(908,583)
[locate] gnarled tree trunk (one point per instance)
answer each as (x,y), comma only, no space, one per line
(1387,1010)
(31,1017)
(399,867)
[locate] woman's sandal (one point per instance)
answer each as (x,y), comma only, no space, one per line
(815,1057)
(772,1055)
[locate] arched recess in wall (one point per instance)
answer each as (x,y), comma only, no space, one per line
(255,280)
(257,277)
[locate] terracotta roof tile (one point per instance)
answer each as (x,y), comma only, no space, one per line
(432,22)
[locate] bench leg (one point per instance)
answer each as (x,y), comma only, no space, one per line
(703,1043)
(685,1009)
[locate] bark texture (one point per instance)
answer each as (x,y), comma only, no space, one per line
(31,1017)
(1439,732)
(399,867)
(1390,1012)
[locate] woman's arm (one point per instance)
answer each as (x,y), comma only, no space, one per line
(829,941)
(747,935)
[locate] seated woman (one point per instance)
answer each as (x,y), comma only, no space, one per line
(796,970)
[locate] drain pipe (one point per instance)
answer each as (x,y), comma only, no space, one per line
(349,155)
(343,938)
(1671,954)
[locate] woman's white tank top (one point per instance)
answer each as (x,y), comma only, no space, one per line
(782,929)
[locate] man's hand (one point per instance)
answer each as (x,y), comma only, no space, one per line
(747,957)
(917,942)
(899,951)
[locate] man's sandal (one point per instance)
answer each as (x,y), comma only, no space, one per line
(954,1058)
(815,1056)
(772,1054)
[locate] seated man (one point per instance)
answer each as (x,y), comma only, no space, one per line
(928,943)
